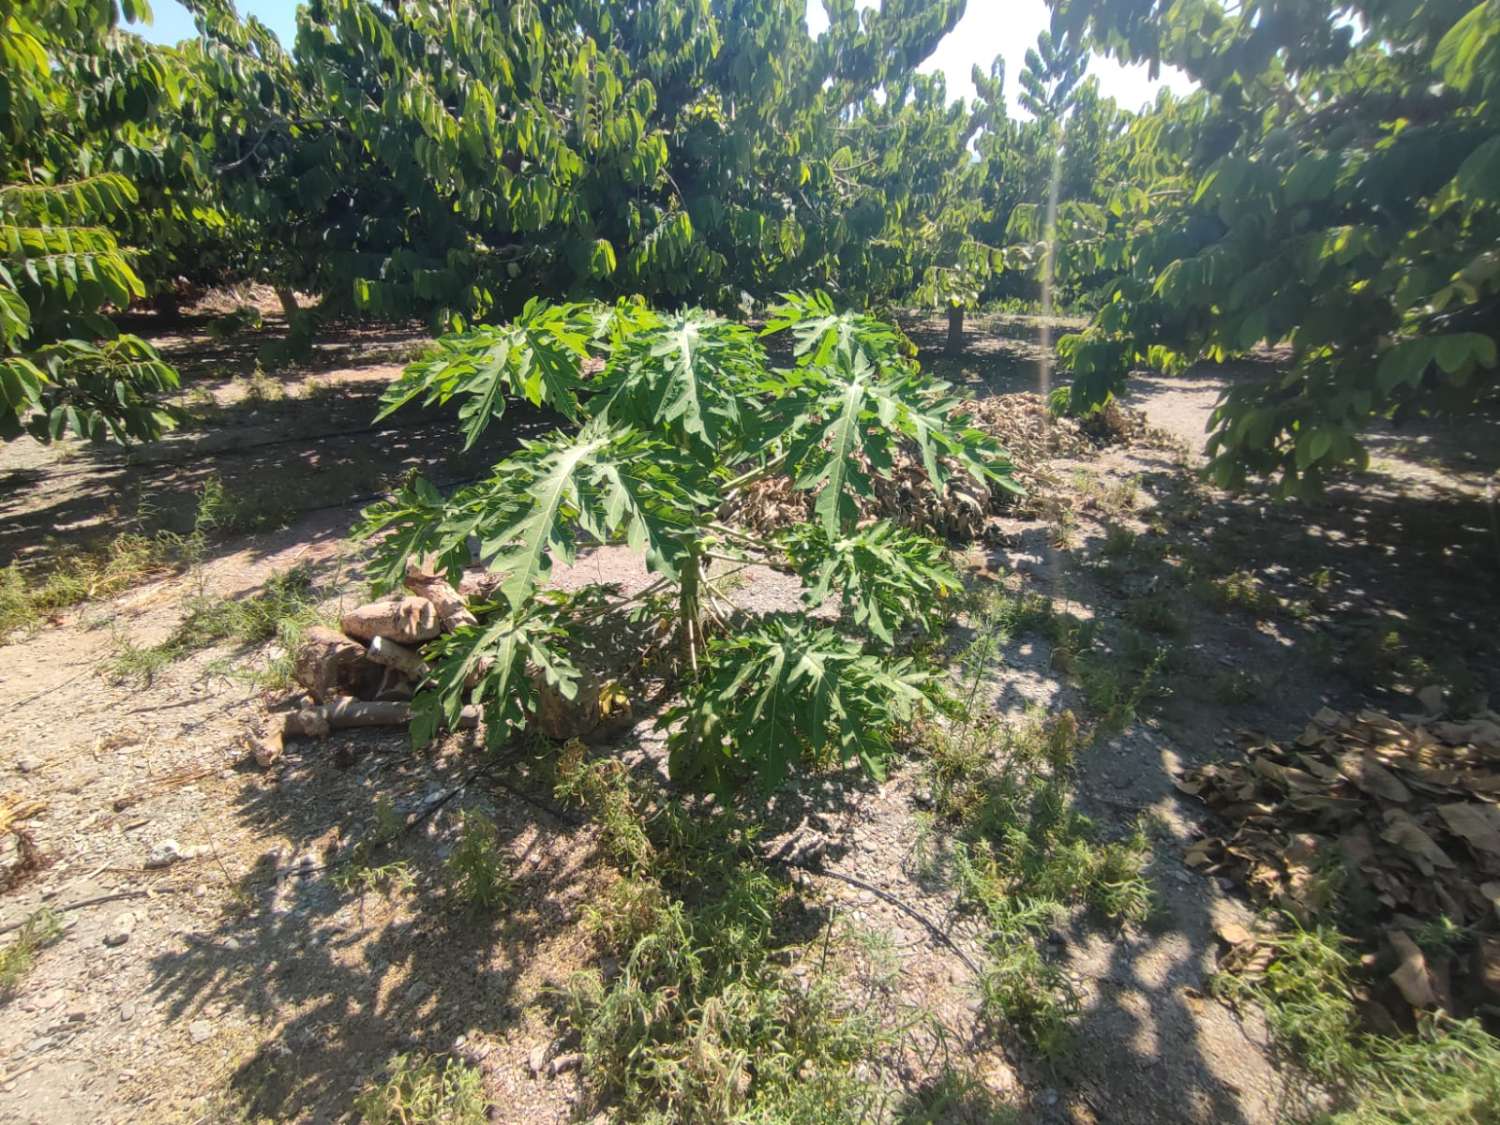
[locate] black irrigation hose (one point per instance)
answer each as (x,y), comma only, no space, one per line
(911,912)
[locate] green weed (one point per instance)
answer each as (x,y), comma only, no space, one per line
(358,873)
(130,558)
(1243,591)
(1447,1072)
(73,579)
(705,1019)
(476,872)
(1159,613)
(1116,684)
(1119,542)
(284,609)
(1233,687)
(424,1090)
(16,959)
(1025,858)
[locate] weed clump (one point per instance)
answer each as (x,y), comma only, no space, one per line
(1447,1072)
(27,600)
(704,1019)
(422,1090)
(1025,858)
(477,879)
(284,609)
(16,959)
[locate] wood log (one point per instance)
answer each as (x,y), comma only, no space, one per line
(267,748)
(409,663)
(341,714)
(406,621)
(479,585)
(448,602)
(328,664)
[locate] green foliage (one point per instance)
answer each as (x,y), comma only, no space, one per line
(1326,193)
(476,870)
(881,574)
(88,174)
(425,1090)
(16,959)
(473,156)
(784,690)
(535,358)
(685,411)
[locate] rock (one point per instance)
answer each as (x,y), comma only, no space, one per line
(127,1011)
(564,1063)
(536,1062)
(167,852)
(27,765)
(200,1031)
(120,928)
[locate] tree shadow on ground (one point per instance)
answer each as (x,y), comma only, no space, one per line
(1270,612)
(340,976)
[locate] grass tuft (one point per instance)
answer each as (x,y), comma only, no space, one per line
(477,877)
(283,610)
(424,1090)
(16,959)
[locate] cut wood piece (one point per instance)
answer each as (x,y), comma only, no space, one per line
(448,602)
(409,663)
(328,664)
(341,714)
(406,621)
(267,748)
(310,722)
(479,585)
(358,713)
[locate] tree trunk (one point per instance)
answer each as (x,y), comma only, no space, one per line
(955,330)
(288,300)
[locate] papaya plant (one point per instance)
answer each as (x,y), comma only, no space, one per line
(685,414)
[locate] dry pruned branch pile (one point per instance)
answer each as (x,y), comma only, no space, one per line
(1031,434)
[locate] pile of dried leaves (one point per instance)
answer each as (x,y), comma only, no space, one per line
(1023,425)
(1395,823)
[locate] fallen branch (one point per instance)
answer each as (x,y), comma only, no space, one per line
(436,589)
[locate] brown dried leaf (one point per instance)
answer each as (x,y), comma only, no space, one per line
(1410,975)
(1478,824)
(1373,778)
(1407,834)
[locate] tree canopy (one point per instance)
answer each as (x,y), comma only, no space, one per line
(1329,189)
